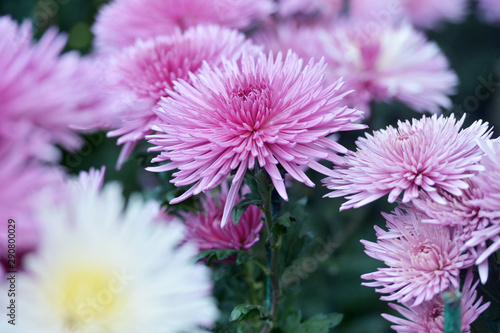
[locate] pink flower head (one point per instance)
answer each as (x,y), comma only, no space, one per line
(428,317)
(121,22)
(487,239)
(147,70)
(461,213)
(428,14)
(205,229)
(474,214)
(22,179)
(267,109)
(427,154)
(394,62)
(423,260)
(490,10)
(43,93)
(325,9)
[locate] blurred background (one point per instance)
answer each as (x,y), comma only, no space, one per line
(331,282)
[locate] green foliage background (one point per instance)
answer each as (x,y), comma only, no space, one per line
(326,286)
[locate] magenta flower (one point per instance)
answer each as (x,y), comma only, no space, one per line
(423,260)
(427,154)
(121,22)
(42,93)
(428,317)
(271,110)
(146,71)
(205,229)
(395,62)
(428,14)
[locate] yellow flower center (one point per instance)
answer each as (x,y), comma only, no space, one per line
(89,296)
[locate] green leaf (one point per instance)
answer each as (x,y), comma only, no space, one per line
(221,254)
(253,184)
(240,208)
(243,311)
(285,220)
(321,323)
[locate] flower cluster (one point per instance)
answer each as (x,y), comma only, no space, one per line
(236,99)
(448,216)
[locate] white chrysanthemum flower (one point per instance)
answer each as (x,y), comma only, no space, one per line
(103,268)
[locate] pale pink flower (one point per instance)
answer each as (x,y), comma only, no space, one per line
(428,317)
(43,94)
(267,109)
(490,10)
(395,62)
(426,154)
(423,260)
(474,214)
(461,213)
(428,14)
(121,22)
(146,72)
(204,228)
(487,239)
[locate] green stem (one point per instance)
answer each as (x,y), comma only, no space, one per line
(452,312)
(272,284)
(249,278)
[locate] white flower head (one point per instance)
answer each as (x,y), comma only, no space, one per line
(103,268)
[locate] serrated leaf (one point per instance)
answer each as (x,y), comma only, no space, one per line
(240,208)
(243,311)
(285,220)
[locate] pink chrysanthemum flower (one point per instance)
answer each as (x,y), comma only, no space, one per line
(423,260)
(121,22)
(43,93)
(474,214)
(395,62)
(462,214)
(490,10)
(147,70)
(271,110)
(428,14)
(428,317)
(427,154)
(205,229)
(488,182)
